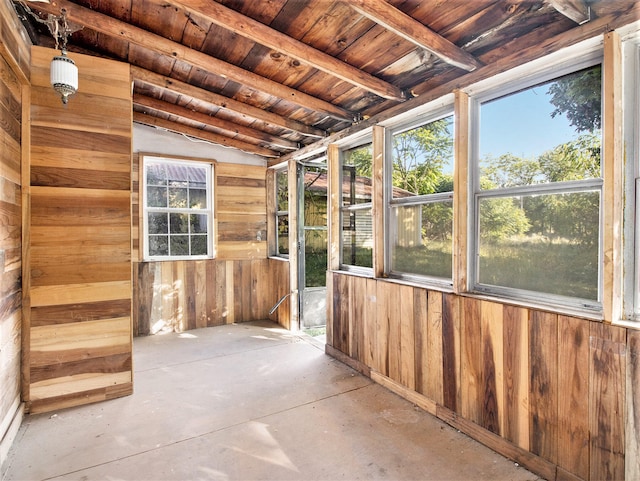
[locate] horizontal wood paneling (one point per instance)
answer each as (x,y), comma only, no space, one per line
(549,391)
(14,70)
(80,237)
(183,295)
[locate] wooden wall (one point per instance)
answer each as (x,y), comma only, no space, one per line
(240,284)
(14,90)
(79,274)
(547,390)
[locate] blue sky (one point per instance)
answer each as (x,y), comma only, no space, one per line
(521,124)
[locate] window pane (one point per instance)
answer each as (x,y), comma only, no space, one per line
(547,133)
(177,198)
(197,198)
(198,245)
(282,191)
(283,234)
(179,223)
(156,174)
(544,243)
(422,239)
(356,175)
(199,223)
(156,196)
(179,245)
(423,159)
(315,257)
(158,223)
(357,238)
(159,245)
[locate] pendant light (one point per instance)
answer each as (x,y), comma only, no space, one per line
(64,73)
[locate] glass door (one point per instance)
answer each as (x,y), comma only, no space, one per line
(312,235)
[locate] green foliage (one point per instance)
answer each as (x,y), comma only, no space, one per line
(579,97)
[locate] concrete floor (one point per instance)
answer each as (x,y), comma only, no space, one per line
(248,402)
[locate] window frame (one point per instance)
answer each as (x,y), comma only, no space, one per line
(432,115)
(360,141)
(281,213)
(493,89)
(208,165)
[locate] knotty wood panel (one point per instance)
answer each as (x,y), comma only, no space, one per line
(547,390)
(183,295)
(80,236)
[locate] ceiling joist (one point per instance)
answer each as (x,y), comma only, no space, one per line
(406,27)
(174,50)
(264,35)
(223,102)
(231,129)
(202,134)
(576,10)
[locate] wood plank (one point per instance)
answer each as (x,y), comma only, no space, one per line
(377,200)
(76,384)
(491,326)
(72,399)
(573,410)
(607,377)
(407,338)
(543,385)
(471,361)
(461,191)
(370,345)
(382,329)
(91,311)
(632,427)
(80,293)
(516,375)
(434,379)
(418,399)
(358,301)
(393,333)
(450,352)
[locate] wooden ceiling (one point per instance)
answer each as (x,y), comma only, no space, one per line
(272,76)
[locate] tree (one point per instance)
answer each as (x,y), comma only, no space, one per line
(579,97)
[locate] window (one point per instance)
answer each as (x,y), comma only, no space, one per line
(282,213)
(420,223)
(538,189)
(356,207)
(178,212)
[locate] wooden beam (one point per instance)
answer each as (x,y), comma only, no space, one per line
(113,27)
(269,37)
(410,29)
(223,102)
(202,134)
(232,128)
(576,10)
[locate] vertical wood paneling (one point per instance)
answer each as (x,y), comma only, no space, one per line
(543,375)
(394,322)
(450,352)
(407,338)
(492,366)
(421,330)
(470,361)
(370,345)
(516,375)
(382,329)
(358,300)
(573,382)
(434,347)
(632,428)
(606,401)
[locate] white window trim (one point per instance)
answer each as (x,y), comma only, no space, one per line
(431,112)
(573,59)
(280,213)
(144,159)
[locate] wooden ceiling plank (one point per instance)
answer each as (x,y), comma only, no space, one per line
(202,134)
(406,27)
(269,37)
(221,101)
(576,10)
(196,116)
(116,28)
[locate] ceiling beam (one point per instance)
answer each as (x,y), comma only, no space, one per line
(202,134)
(264,35)
(261,138)
(174,50)
(576,10)
(223,102)
(415,32)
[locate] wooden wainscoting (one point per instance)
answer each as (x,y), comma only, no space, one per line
(546,390)
(183,295)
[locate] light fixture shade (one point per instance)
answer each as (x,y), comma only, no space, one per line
(64,76)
